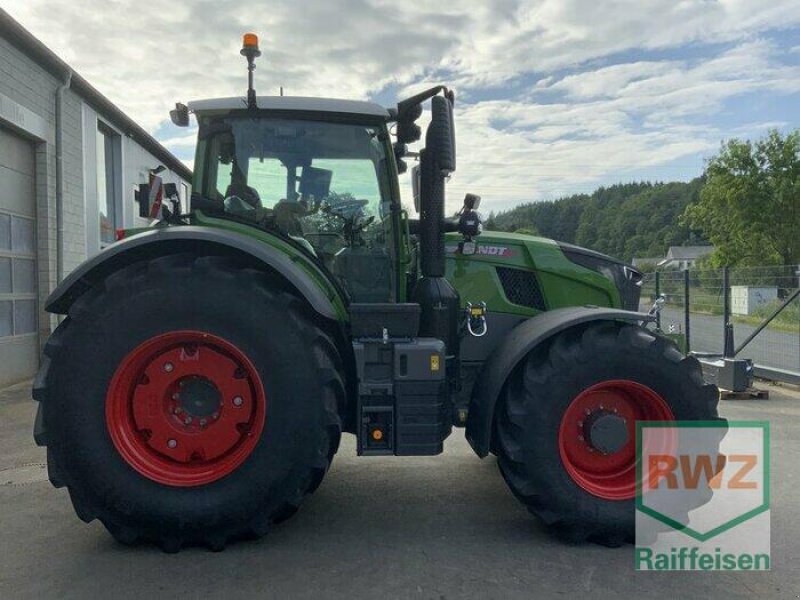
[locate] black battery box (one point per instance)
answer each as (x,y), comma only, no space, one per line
(403,403)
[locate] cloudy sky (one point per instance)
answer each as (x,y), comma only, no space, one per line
(554,96)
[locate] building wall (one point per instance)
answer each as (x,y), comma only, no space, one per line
(134,165)
(28,108)
(28,95)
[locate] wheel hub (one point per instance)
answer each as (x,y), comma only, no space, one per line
(185,408)
(606,431)
(198,397)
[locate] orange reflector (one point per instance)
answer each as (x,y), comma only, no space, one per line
(377,435)
(120,234)
(250,40)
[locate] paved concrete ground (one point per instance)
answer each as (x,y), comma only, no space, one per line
(441,527)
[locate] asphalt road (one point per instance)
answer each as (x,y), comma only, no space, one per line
(440,527)
(773,348)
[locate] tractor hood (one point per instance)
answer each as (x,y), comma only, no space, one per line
(567,275)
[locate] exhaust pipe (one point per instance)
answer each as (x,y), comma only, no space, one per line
(431,218)
(438,299)
(437,161)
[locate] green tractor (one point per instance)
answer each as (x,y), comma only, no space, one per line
(196,389)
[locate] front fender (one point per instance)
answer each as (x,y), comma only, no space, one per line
(509,353)
(168,240)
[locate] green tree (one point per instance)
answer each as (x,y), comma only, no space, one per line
(749,207)
(529,230)
(623,220)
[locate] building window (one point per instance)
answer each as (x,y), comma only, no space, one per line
(108,173)
(17,276)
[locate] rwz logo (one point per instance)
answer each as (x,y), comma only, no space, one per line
(702,489)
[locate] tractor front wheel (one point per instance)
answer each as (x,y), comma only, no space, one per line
(565,427)
(189,400)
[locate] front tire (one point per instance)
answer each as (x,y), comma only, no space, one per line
(189,400)
(592,381)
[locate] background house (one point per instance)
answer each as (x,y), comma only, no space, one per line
(684,257)
(69,163)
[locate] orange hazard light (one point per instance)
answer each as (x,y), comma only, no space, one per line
(250,40)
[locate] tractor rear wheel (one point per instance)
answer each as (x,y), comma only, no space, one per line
(189,400)
(565,427)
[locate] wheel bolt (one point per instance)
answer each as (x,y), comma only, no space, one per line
(168,367)
(580,438)
(176,396)
(237,401)
(187,420)
(172,443)
(202,422)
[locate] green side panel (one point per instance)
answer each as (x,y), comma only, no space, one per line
(562,282)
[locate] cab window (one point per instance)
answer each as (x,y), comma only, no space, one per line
(322,184)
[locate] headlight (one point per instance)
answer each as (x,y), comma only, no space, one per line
(625,278)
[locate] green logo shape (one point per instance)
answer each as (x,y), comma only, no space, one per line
(666,519)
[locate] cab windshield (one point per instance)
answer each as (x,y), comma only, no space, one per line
(323,184)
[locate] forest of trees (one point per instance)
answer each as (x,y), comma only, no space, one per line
(747,204)
(625,220)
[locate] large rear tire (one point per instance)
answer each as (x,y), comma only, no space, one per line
(189,400)
(592,381)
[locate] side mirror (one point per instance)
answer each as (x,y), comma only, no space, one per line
(171,193)
(141,196)
(415,185)
(180,115)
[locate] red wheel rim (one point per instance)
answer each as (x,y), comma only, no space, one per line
(603,473)
(185,408)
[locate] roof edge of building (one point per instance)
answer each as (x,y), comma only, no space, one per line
(26,41)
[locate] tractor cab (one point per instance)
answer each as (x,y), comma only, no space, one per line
(318,172)
(323,175)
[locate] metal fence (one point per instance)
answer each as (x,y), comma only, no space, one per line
(696,305)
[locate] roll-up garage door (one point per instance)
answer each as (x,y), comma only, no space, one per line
(19,350)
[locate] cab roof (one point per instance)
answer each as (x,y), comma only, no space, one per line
(292,103)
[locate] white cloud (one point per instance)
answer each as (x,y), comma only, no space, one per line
(610,121)
(570,103)
(182,141)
